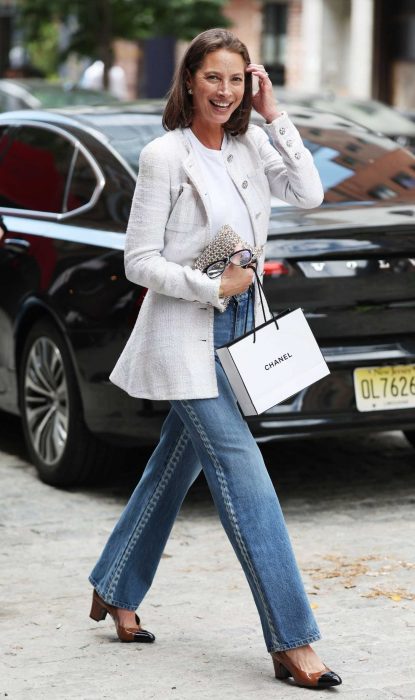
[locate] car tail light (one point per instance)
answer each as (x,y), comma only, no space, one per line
(275,268)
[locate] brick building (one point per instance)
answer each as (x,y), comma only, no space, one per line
(364,48)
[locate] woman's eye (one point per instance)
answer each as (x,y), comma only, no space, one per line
(212,77)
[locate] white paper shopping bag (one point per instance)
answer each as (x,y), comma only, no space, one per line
(273,362)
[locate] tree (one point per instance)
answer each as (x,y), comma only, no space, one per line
(97,22)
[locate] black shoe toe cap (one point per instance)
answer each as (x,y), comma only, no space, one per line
(328,679)
(144,636)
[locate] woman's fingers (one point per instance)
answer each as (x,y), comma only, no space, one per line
(236,279)
(258,70)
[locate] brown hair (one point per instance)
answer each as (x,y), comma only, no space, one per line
(179,108)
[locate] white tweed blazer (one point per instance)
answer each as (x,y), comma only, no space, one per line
(170,352)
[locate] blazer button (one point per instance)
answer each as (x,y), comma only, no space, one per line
(230,158)
(297,155)
(289,143)
(245,184)
(282,130)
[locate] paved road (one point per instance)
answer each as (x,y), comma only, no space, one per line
(349,505)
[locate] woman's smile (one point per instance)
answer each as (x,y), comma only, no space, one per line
(221,106)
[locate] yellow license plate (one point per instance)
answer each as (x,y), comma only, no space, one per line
(384,388)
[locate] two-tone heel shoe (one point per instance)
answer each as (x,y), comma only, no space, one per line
(284,668)
(99,610)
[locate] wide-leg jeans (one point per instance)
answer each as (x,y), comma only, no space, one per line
(211,434)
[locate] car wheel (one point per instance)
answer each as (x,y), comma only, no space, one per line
(62,449)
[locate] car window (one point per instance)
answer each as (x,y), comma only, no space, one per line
(33,170)
(82,184)
(5,146)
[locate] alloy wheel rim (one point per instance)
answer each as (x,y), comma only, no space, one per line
(46,400)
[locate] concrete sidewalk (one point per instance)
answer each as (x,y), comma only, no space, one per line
(350,512)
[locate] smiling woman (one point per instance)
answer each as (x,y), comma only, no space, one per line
(212,168)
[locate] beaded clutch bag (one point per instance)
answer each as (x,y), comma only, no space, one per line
(223,244)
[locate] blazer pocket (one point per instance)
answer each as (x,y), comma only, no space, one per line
(188,211)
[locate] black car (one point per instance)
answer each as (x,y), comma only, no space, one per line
(66,308)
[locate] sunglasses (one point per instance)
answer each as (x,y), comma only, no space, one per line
(239,257)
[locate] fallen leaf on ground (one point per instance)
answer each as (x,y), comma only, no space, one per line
(399,594)
(349,569)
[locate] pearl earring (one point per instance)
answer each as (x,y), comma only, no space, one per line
(190,91)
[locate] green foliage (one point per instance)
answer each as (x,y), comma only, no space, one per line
(99,21)
(44,51)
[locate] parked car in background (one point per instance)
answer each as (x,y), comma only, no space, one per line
(35,93)
(408,113)
(66,309)
(373,114)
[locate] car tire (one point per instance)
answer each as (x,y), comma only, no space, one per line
(60,446)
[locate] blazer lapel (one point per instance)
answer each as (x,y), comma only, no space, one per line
(192,170)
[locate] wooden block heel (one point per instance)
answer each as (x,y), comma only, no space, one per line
(97,613)
(280,671)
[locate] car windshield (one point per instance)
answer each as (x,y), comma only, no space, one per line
(128,133)
(354,164)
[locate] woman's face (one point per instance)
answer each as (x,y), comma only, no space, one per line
(218,86)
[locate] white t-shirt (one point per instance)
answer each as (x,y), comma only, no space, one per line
(225,203)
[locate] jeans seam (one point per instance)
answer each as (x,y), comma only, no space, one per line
(168,472)
(231,513)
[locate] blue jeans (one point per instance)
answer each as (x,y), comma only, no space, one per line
(211,434)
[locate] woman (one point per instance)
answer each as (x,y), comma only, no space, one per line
(211,168)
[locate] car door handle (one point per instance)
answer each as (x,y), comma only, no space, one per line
(17,244)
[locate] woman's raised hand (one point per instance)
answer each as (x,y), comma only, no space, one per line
(263,101)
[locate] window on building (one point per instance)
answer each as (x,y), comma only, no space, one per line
(382,192)
(348,160)
(405,180)
(274,39)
